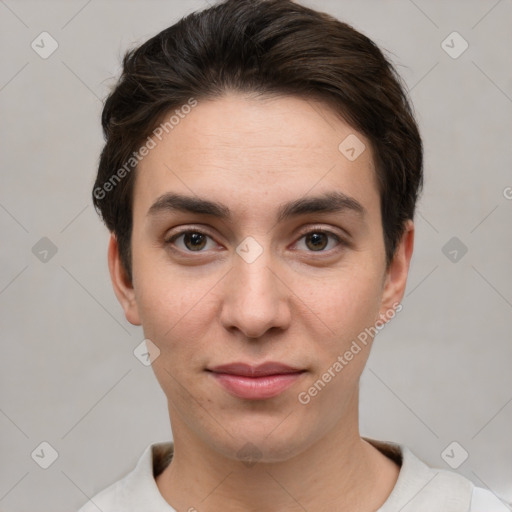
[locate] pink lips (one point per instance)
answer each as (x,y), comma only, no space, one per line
(255,382)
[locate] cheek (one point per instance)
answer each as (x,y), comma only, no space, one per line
(174,316)
(177,309)
(347,303)
(348,308)
(171,312)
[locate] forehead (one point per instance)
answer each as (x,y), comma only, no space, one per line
(256,152)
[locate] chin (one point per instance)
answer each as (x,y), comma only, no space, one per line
(259,445)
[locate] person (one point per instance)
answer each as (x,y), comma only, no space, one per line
(259,179)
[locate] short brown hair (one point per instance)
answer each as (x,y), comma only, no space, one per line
(263,47)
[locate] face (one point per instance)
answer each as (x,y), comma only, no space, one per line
(263,274)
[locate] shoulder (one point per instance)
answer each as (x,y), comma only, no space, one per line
(485,501)
(107,500)
(421,488)
(137,489)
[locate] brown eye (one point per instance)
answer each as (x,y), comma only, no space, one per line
(316,241)
(194,241)
(191,241)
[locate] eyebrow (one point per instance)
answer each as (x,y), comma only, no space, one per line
(330,202)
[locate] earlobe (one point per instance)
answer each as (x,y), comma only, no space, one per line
(123,288)
(396,274)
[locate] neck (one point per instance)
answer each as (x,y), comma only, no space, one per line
(339,472)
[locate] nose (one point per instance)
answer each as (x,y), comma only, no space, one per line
(255,297)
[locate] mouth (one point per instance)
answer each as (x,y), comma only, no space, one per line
(255,382)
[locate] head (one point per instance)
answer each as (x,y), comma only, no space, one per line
(259,179)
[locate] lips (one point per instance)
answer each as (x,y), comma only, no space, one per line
(255,382)
(247,370)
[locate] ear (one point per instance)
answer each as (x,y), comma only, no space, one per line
(396,274)
(123,288)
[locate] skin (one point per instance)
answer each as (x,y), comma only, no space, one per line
(297,303)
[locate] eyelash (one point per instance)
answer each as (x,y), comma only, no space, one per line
(341,242)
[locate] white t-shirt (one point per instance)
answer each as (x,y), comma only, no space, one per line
(419,488)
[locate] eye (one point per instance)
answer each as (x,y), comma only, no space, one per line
(318,239)
(193,241)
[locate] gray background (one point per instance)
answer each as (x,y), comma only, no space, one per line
(440,372)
